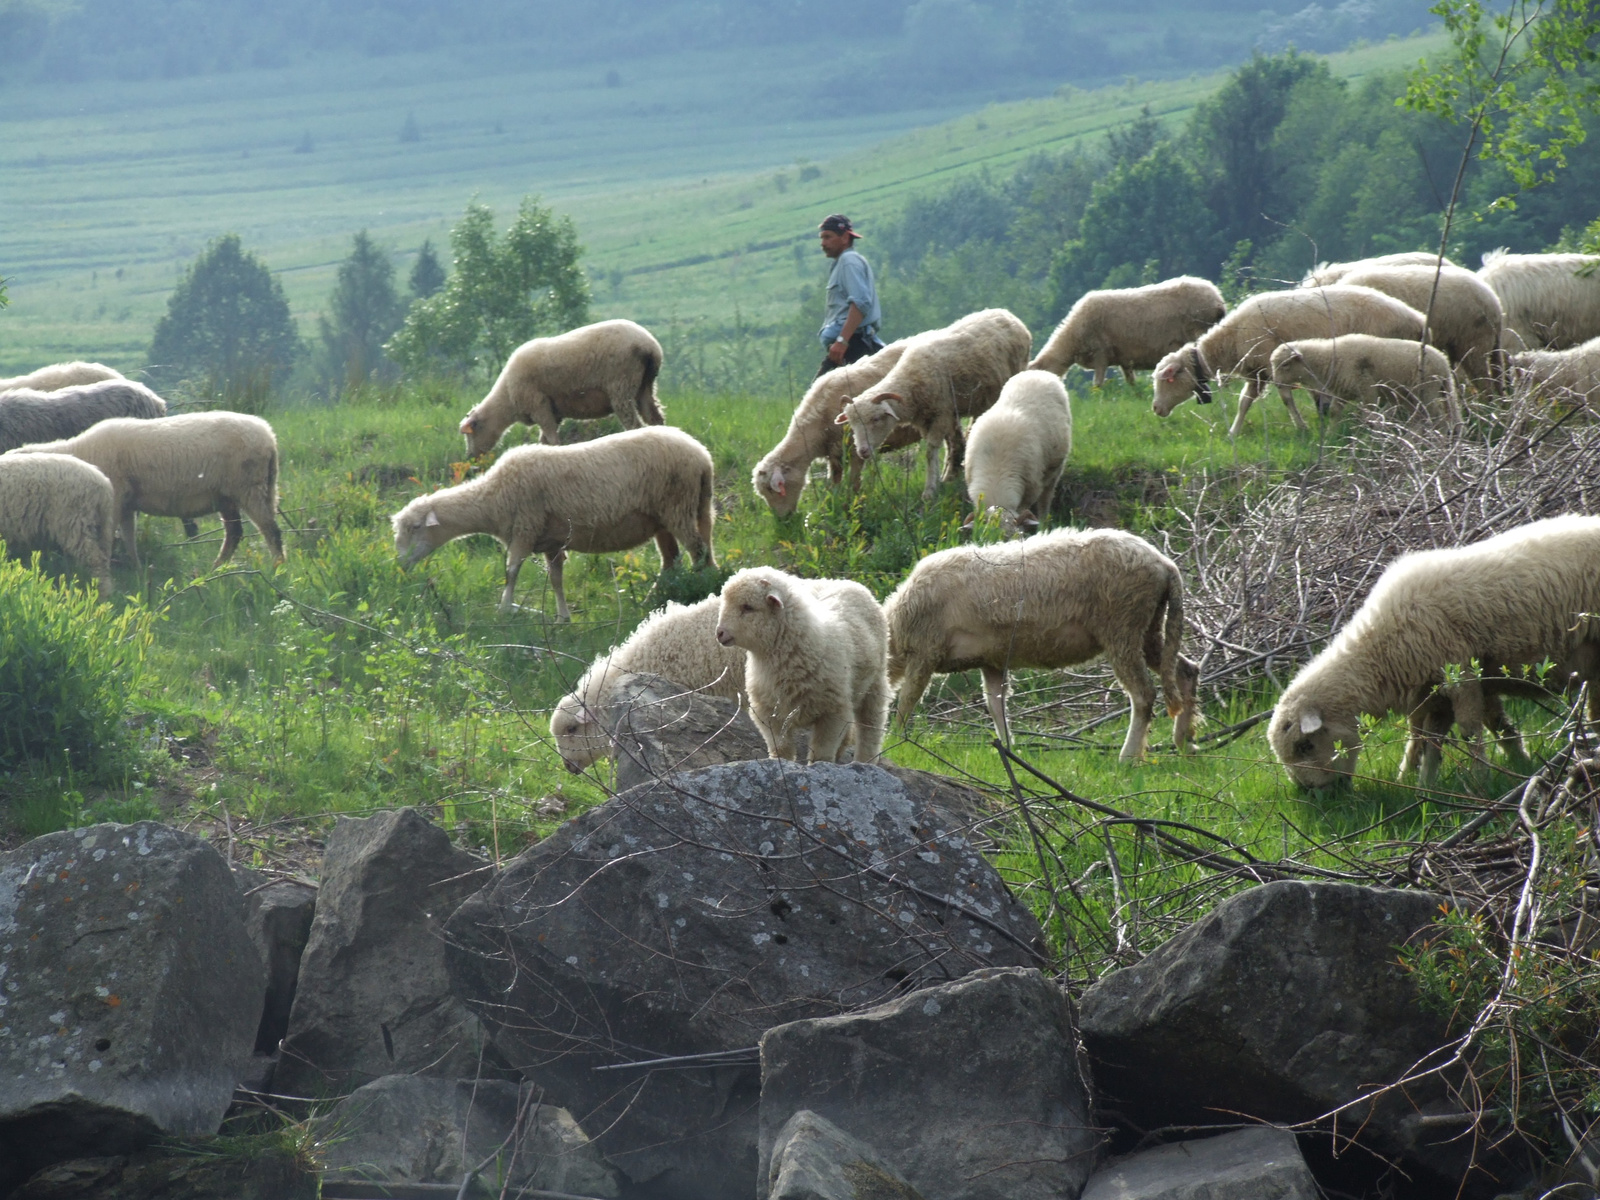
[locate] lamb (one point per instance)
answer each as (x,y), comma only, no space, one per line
(598,497)
(944,376)
(1050,601)
(59,375)
(1509,601)
(594,371)
(1325,273)
(678,643)
(1466,319)
(1364,370)
(1572,374)
(57,499)
(185,466)
(1017,449)
(1241,344)
(32,415)
(1551,301)
(1131,328)
(816,651)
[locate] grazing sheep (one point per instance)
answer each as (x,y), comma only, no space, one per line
(816,660)
(609,367)
(945,375)
(598,497)
(1325,273)
(1364,370)
(59,375)
(1466,318)
(1507,602)
(1241,344)
(57,499)
(1476,704)
(677,643)
(1551,301)
(1017,449)
(185,466)
(1050,601)
(1131,328)
(41,416)
(1572,374)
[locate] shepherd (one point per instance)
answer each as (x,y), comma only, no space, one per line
(850,326)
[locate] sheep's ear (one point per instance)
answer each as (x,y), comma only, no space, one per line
(468,424)
(1310,722)
(585,715)
(433,518)
(774,601)
(1028,521)
(776,482)
(890,409)
(1170,375)
(842,419)
(966,526)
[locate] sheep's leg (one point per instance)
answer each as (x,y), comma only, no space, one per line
(1135,681)
(1286,391)
(914,683)
(827,736)
(1252,389)
(855,473)
(995,686)
(668,545)
(190,529)
(955,446)
(1047,496)
(872,713)
(1507,734)
(552,565)
(261,516)
(835,461)
(1129,376)
(930,484)
(1100,367)
(232,531)
(129,535)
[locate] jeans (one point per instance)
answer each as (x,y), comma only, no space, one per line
(864,343)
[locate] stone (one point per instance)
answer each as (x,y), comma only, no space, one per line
(660,728)
(1285,1002)
(129,993)
(156,1175)
(373,998)
(971,1091)
(1247,1164)
(685,917)
(414,1129)
(813,1159)
(278,915)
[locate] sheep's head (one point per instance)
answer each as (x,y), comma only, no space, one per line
(418,532)
(480,432)
(579,737)
(752,607)
(1315,749)
(1176,381)
(779,484)
(871,421)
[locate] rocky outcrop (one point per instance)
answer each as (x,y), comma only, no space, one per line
(813,1159)
(1247,1164)
(278,915)
(161,1175)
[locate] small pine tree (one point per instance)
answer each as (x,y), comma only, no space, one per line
(365,310)
(427,274)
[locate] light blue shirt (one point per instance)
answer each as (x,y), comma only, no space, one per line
(850,282)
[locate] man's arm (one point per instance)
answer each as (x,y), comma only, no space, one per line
(852,322)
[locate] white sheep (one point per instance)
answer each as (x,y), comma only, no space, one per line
(1363,370)
(677,643)
(816,660)
(55,499)
(1241,344)
(594,371)
(34,415)
(185,466)
(59,375)
(1466,319)
(943,376)
(1551,301)
(1131,328)
(598,497)
(1051,601)
(1509,601)
(1572,374)
(1325,273)
(1016,451)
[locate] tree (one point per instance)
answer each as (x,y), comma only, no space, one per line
(427,275)
(503,292)
(226,320)
(365,311)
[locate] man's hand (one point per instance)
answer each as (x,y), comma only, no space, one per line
(836,352)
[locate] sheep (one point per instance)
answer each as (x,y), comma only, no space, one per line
(40,416)
(1364,370)
(1016,450)
(1131,328)
(677,643)
(1466,319)
(1564,374)
(1325,273)
(59,375)
(1050,601)
(55,498)
(780,477)
(1551,301)
(598,497)
(816,653)
(185,466)
(951,373)
(1476,704)
(1241,344)
(593,371)
(1509,601)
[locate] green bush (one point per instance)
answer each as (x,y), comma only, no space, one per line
(69,665)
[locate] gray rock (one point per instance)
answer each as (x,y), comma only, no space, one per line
(413,1129)
(157,1174)
(971,1091)
(688,916)
(1248,1164)
(129,993)
(660,728)
(813,1159)
(372,998)
(278,915)
(1283,1003)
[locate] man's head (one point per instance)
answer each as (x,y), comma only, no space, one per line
(836,234)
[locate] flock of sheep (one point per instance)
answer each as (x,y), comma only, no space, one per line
(817,662)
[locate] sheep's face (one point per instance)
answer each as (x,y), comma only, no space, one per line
(1316,751)
(752,607)
(417,534)
(1174,381)
(579,737)
(780,485)
(871,421)
(480,432)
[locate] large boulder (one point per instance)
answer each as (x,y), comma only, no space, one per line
(971,1091)
(659,727)
(414,1129)
(278,915)
(813,1159)
(129,993)
(372,997)
(1247,1164)
(687,916)
(1285,1002)
(160,1174)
